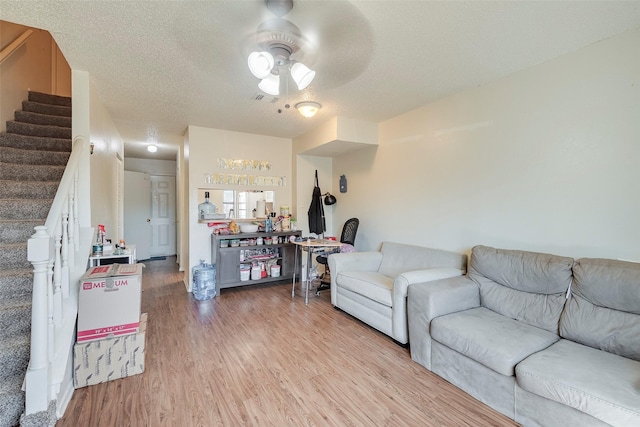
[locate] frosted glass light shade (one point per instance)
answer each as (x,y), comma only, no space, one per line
(302,75)
(270,85)
(308,108)
(260,64)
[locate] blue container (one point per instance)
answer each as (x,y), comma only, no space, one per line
(203,282)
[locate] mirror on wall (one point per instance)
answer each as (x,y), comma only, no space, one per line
(241,204)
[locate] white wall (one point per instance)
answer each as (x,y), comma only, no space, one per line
(543,160)
(182,214)
(150,166)
(314,150)
(203,148)
(106,169)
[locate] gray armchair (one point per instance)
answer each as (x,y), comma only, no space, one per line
(372,286)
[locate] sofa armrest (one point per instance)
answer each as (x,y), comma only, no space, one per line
(402,282)
(400,285)
(426,301)
(351,261)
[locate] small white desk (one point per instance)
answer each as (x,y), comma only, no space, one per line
(310,246)
(129,254)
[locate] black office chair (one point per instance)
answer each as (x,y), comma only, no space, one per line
(348,236)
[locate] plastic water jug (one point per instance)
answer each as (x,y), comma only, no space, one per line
(203,281)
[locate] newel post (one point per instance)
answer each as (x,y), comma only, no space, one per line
(40,250)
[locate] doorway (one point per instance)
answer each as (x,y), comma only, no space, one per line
(163,216)
(150,214)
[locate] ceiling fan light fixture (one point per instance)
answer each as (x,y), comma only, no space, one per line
(302,75)
(152,148)
(308,108)
(261,64)
(270,85)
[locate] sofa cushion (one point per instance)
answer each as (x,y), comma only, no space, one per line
(399,258)
(598,383)
(489,338)
(375,286)
(526,286)
(604,309)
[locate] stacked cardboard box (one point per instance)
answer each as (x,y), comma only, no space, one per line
(108,359)
(109,301)
(111,331)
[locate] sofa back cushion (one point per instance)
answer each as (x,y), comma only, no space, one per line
(526,286)
(604,309)
(398,258)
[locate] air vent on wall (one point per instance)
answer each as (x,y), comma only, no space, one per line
(263,97)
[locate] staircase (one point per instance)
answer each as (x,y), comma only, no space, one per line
(33,154)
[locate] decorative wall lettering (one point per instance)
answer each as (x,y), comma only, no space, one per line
(246,180)
(241,179)
(240,164)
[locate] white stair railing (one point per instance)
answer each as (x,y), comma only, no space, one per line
(53,251)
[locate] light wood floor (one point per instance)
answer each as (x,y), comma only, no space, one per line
(255,356)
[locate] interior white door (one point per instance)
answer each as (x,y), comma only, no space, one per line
(163,215)
(137,212)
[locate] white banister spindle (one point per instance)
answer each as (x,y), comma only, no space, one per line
(65,251)
(50,310)
(57,275)
(71,229)
(76,217)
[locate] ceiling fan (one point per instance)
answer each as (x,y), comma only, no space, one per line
(331,37)
(277,39)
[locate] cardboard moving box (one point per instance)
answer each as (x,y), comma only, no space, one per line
(109,301)
(108,359)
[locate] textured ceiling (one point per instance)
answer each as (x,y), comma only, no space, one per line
(160,66)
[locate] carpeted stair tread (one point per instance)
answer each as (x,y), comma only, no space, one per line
(18,172)
(35,142)
(11,403)
(38,130)
(33,157)
(16,285)
(8,386)
(18,230)
(15,319)
(14,357)
(25,208)
(14,255)
(42,119)
(28,189)
(15,272)
(47,98)
(54,110)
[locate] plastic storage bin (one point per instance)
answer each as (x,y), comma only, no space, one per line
(203,281)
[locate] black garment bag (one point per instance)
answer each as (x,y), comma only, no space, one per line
(317,223)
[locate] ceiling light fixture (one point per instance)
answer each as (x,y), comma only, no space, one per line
(152,148)
(270,85)
(278,39)
(308,108)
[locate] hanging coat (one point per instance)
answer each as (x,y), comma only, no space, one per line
(316,211)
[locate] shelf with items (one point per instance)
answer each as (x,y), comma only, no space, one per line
(228,220)
(235,261)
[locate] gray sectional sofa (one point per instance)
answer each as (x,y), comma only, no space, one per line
(544,339)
